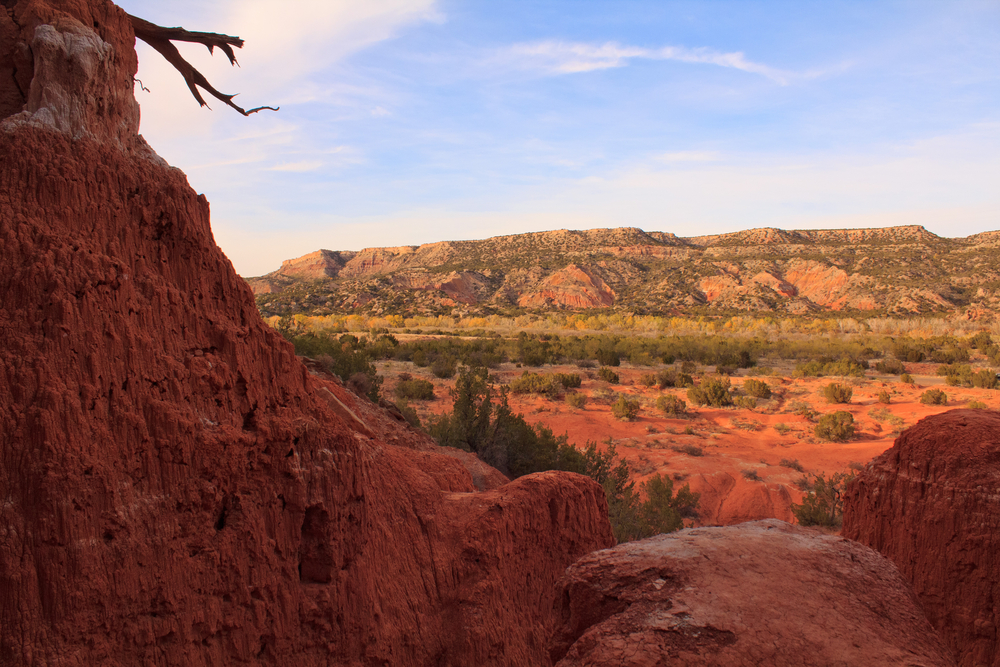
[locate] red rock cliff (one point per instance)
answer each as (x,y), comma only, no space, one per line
(932,505)
(175,487)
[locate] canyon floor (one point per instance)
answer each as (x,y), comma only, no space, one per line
(742,470)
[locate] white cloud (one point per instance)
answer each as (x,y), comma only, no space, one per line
(558,57)
(689,156)
(380,112)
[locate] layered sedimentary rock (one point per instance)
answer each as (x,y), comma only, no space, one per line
(932,505)
(176,488)
(761,593)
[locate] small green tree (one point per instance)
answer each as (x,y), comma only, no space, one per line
(836,426)
(757,388)
(823,504)
(838,393)
(712,391)
(934,397)
(625,408)
(671,406)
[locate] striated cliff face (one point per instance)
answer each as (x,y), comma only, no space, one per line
(898,270)
(761,593)
(932,505)
(175,487)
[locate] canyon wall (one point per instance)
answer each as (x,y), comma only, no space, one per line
(932,505)
(176,488)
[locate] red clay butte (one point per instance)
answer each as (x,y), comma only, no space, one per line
(175,487)
(932,505)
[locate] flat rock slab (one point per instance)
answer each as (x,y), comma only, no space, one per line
(759,593)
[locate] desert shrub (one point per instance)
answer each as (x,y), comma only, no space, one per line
(757,388)
(823,504)
(956,375)
(906,378)
(751,475)
(648,379)
(671,406)
(608,357)
(421,390)
(835,427)
(712,391)
(890,366)
(841,367)
(837,393)
(981,341)
(409,414)
(608,375)
(575,399)
(803,410)
(760,370)
(725,370)
(689,367)
(664,511)
(793,464)
(667,378)
(745,402)
(683,380)
(690,450)
(585,363)
(444,367)
(803,484)
(976,405)
(340,359)
(782,428)
(625,408)
(883,397)
(984,379)
(934,397)
(535,383)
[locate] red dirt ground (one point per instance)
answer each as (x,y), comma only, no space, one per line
(732,439)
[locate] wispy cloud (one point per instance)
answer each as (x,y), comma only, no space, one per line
(556,57)
(689,156)
(298,167)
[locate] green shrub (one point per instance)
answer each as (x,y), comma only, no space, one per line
(906,378)
(625,408)
(934,397)
(535,383)
(883,397)
(837,393)
(751,475)
(823,504)
(568,380)
(757,388)
(409,414)
(976,405)
(782,428)
(607,357)
(712,391)
(690,450)
(671,406)
(745,402)
(689,367)
(890,367)
(608,375)
(575,399)
(421,390)
(648,380)
(984,379)
(835,427)
(683,380)
(444,367)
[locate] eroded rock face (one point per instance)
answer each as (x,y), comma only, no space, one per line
(573,287)
(176,488)
(761,593)
(932,505)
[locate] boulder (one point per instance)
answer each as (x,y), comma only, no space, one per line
(759,593)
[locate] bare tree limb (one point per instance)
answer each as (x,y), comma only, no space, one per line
(160,38)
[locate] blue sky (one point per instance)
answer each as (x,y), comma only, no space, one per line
(412,121)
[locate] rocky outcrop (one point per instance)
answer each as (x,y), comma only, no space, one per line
(762,593)
(176,488)
(727,499)
(759,270)
(932,505)
(573,287)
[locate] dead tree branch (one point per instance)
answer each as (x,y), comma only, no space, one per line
(160,38)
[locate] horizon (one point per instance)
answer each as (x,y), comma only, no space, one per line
(417,121)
